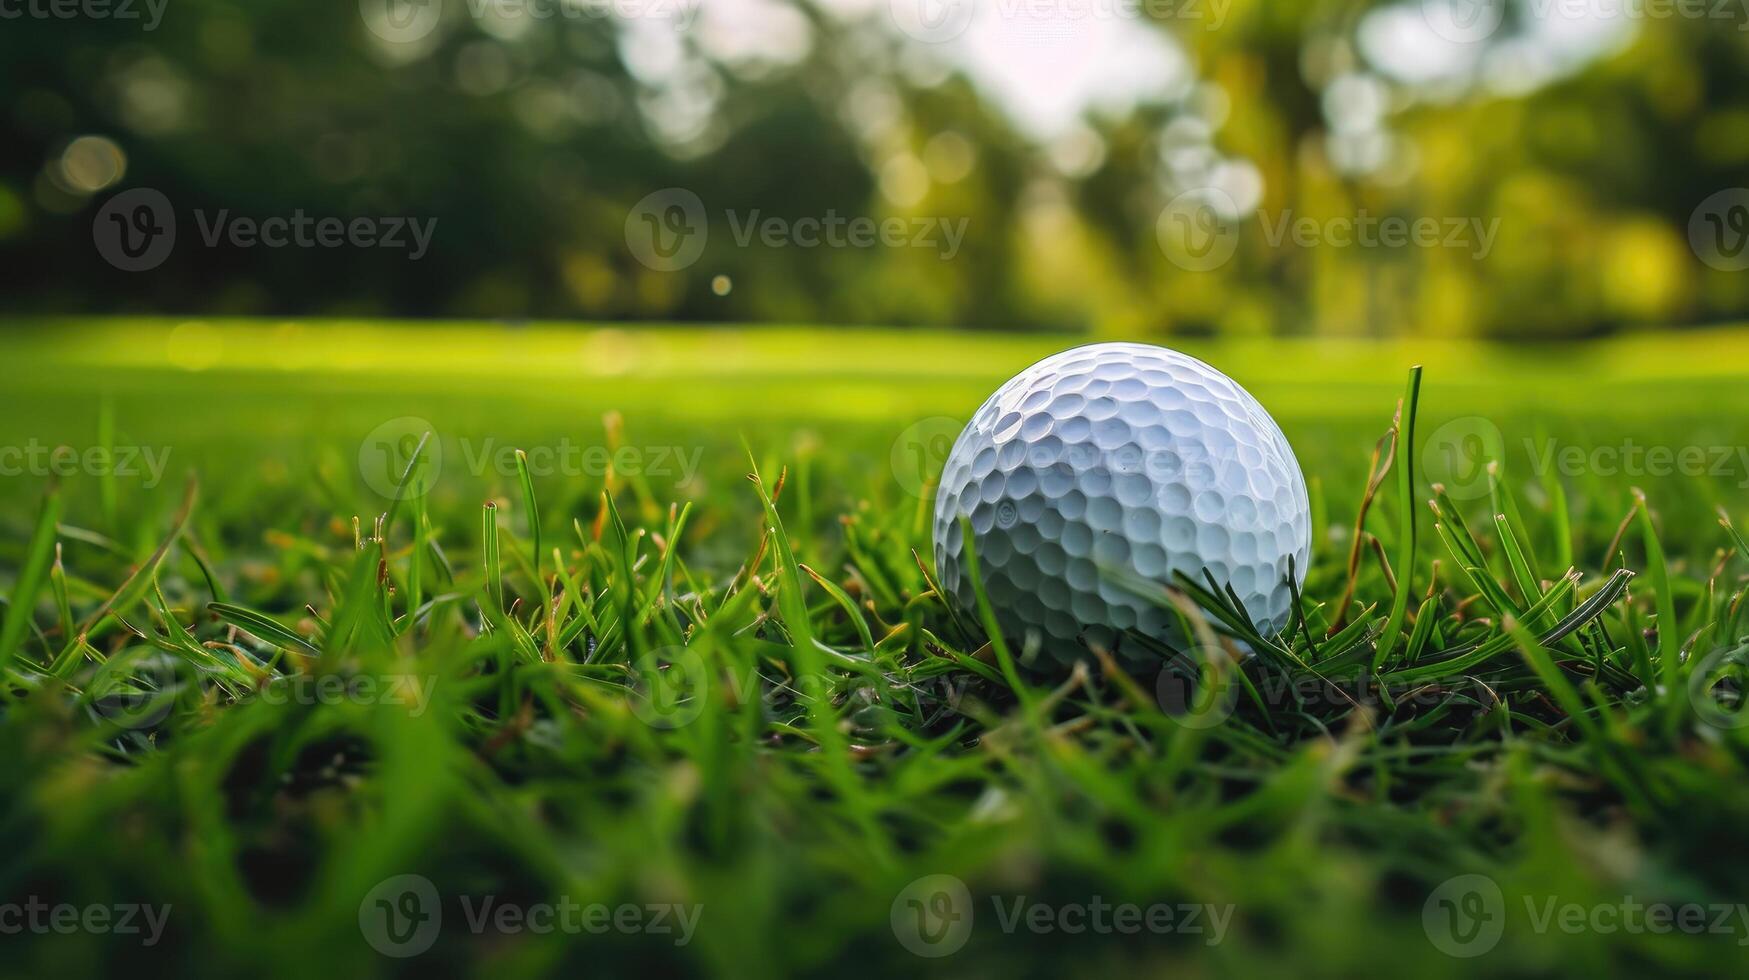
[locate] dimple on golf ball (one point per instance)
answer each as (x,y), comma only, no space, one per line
(1112,462)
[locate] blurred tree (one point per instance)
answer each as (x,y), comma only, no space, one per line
(531,130)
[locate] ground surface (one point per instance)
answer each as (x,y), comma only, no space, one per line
(762,717)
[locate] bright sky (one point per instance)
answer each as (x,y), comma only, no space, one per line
(1048,69)
(1416,41)
(1049,62)
(1044,61)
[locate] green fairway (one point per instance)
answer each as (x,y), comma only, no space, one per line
(245,681)
(264,400)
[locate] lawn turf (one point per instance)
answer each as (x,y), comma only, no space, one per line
(851,737)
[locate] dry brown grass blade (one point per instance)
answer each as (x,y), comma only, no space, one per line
(1385,449)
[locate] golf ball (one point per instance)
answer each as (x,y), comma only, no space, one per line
(1112,462)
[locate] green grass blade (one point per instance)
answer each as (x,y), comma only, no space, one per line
(414,462)
(1529,588)
(533,510)
(1731,529)
(63,605)
(37,557)
(1666,652)
(987,616)
(263,627)
(134,587)
(844,602)
(1406,533)
(490,558)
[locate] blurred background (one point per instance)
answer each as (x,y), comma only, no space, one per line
(1553,168)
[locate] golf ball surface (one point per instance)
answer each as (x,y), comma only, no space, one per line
(1112,461)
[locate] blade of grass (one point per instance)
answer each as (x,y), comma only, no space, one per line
(490,558)
(987,616)
(844,602)
(527,481)
(414,461)
(1406,534)
(37,557)
(136,584)
(1666,651)
(263,627)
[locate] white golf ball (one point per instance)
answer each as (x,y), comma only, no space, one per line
(1117,461)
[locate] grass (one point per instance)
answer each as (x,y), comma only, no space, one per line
(330,659)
